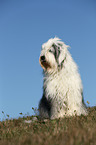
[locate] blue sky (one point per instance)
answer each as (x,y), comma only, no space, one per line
(24,26)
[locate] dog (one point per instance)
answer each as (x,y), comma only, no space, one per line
(62,85)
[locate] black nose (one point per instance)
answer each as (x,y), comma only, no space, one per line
(43,58)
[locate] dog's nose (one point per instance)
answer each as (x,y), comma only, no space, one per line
(42,58)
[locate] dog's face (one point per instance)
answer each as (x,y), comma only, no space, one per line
(53,54)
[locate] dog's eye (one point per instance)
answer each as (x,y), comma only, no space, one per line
(50,50)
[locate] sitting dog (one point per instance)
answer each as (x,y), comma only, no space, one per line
(62,86)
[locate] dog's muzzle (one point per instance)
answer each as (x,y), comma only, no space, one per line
(44,64)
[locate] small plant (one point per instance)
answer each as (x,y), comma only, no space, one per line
(88,102)
(21,113)
(5,116)
(36,111)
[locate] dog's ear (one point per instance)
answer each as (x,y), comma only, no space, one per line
(60,51)
(62,55)
(61,59)
(56,51)
(59,54)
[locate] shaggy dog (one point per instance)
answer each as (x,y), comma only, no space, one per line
(62,86)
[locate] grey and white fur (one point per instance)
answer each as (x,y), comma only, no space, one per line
(62,86)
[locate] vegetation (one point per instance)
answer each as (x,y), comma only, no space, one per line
(66,131)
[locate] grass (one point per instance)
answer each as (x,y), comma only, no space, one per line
(66,131)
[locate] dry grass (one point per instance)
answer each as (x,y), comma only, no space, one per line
(67,131)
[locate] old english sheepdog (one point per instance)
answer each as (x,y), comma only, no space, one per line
(62,86)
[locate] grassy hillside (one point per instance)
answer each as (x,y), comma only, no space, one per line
(67,131)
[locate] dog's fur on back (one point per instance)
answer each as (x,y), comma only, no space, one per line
(62,86)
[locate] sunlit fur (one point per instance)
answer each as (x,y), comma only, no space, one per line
(62,86)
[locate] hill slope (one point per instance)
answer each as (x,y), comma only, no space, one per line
(66,131)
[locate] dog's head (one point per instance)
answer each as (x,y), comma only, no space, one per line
(53,54)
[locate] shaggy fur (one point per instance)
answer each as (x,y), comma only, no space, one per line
(62,86)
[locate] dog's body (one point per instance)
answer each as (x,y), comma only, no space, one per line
(62,87)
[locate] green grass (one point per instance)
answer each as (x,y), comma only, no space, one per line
(66,131)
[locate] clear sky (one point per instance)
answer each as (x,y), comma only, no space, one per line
(24,26)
